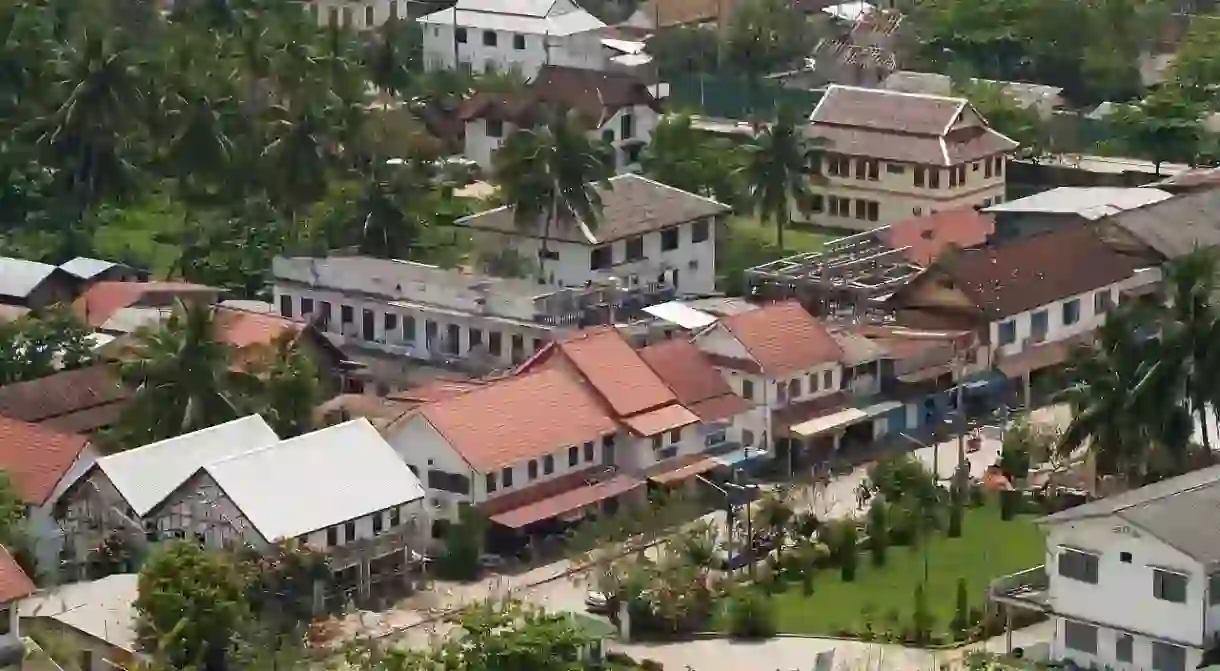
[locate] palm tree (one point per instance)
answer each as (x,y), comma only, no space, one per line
(286,385)
(181,374)
(1191,324)
(776,172)
(553,172)
(391,214)
(680,156)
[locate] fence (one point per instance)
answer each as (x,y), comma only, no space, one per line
(730,97)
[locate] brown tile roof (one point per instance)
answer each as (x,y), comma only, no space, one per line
(615,370)
(102,300)
(241,328)
(565,493)
(1030,272)
(935,130)
(783,338)
(660,420)
(35,458)
(14,583)
(694,380)
(928,236)
(594,94)
(633,205)
(82,400)
(519,418)
(668,13)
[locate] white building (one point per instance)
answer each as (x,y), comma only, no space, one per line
(583,426)
(341,490)
(15,585)
(648,234)
(357,14)
(1131,581)
(616,107)
(524,35)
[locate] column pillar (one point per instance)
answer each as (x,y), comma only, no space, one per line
(1007,628)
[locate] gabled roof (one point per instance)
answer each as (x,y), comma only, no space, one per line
(36,458)
(103,609)
(594,94)
(878,109)
(59,399)
(104,299)
(697,384)
(633,205)
(1029,272)
(1089,202)
(19,278)
(85,268)
(1179,511)
(146,475)
(928,236)
(615,370)
(14,583)
(1176,226)
(535,17)
(668,13)
(317,480)
(519,417)
(783,338)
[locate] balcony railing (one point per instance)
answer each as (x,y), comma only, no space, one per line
(1028,588)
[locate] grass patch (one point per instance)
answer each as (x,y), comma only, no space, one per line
(988,549)
(795,241)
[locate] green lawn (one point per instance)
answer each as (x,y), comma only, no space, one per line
(795,241)
(988,548)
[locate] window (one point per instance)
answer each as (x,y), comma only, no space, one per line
(518,344)
(961,174)
(747,390)
(495,128)
(675,436)
(813,383)
(448,482)
(346,314)
(1213,590)
(306,307)
(519,42)
(394,11)
(974,167)
(368,16)
(635,248)
(874,210)
(1102,301)
(1071,312)
(608,136)
(589,451)
(817,202)
(1038,323)
(794,388)
(861,168)
(874,170)
(781,392)
(573,455)
(1078,565)
(378,524)
(548,465)
(494,343)
(601,257)
(390,323)
(999,166)
(332,536)
(349,531)
(656,443)
(828,379)
(1008,332)
(347,16)
(1168,657)
(1080,636)
(325,306)
(506,477)
(669,239)
(700,229)
(461,35)
(1124,557)
(430,332)
(631,153)
(489,38)
(395,517)
(747,438)
(839,207)
(532,469)
(861,209)
(952,178)
(987,169)
(286,306)
(334,17)
(1168,586)
(919,175)
(476,337)
(838,165)
(490,481)
(894,168)
(933,178)
(626,126)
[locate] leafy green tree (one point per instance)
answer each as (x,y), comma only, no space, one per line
(552,173)
(1196,65)
(287,386)
(394,56)
(14,530)
(767,36)
(683,157)
(191,605)
(682,51)
(776,173)
(1005,114)
(751,614)
(463,546)
(849,552)
(1165,126)
(961,610)
(878,531)
(1191,325)
(36,346)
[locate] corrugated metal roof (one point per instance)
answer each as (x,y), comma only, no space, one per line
(86,268)
(18,277)
(559,26)
(1090,202)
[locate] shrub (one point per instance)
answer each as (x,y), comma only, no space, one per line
(976,495)
(1009,500)
(807,581)
(902,525)
(956,510)
(751,615)
(922,619)
(805,525)
(849,552)
(961,613)
(878,531)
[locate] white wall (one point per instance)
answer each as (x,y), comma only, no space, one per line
(1123,596)
(422,447)
(355,13)
(582,50)
(808,391)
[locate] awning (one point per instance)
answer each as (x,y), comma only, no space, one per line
(740,456)
(683,467)
(567,502)
(659,421)
(842,418)
(677,312)
(720,407)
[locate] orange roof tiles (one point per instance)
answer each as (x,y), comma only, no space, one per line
(686,369)
(14,583)
(783,338)
(241,328)
(519,418)
(104,299)
(567,501)
(36,458)
(615,370)
(930,236)
(654,422)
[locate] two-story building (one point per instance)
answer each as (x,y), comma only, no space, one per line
(889,156)
(616,108)
(358,14)
(1029,300)
(1068,205)
(648,234)
(341,490)
(521,35)
(1131,581)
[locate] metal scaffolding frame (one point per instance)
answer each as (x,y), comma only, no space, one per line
(852,273)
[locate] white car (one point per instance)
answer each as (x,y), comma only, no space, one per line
(597,602)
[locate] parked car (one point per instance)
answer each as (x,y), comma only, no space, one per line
(598,602)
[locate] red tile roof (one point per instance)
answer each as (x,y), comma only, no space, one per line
(544,502)
(14,583)
(879,109)
(720,407)
(36,458)
(596,95)
(686,369)
(928,236)
(521,417)
(656,422)
(615,370)
(783,338)
(84,399)
(241,328)
(102,300)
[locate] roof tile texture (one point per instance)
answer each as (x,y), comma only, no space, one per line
(928,236)
(616,371)
(783,338)
(14,583)
(687,371)
(35,458)
(62,394)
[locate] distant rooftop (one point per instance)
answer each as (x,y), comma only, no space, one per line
(1089,202)
(1027,95)
(19,278)
(535,17)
